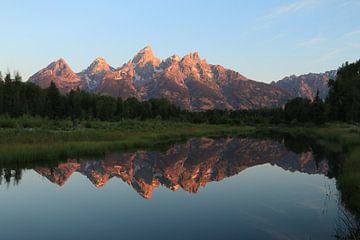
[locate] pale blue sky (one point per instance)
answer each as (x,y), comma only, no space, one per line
(264,40)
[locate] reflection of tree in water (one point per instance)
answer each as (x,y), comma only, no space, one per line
(8,175)
(348,224)
(300,144)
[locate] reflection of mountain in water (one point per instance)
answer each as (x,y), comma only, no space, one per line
(187,166)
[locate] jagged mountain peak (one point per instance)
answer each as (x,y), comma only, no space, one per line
(174,58)
(170,60)
(99,60)
(98,65)
(60,73)
(93,75)
(59,64)
(59,68)
(192,59)
(192,56)
(146,49)
(61,60)
(145,56)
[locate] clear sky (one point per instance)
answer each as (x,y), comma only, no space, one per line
(264,40)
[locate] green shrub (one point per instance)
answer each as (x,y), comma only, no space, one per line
(7,122)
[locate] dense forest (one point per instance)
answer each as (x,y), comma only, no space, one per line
(18,98)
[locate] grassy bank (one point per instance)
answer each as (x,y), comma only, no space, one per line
(29,144)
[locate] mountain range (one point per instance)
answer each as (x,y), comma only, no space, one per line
(306,85)
(189,82)
(186,166)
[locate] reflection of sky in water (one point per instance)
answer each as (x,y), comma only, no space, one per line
(261,202)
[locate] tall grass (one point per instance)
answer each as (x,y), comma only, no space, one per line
(49,143)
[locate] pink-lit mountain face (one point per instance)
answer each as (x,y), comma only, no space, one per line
(61,74)
(189,82)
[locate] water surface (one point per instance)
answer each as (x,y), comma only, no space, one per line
(230,188)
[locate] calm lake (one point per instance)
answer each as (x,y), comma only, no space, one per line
(227,188)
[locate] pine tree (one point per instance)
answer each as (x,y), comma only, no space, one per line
(343,100)
(119,109)
(105,107)
(17,106)
(7,96)
(53,102)
(318,109)
(1,93)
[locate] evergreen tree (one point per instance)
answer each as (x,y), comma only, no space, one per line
(74,105)
(105,107)
(132,108)
(344,99)
(54,102)
(7,96)
(119,109)
(16,105)
(33,99)
(1,94)
(146,110)
(318,110)
(297,110)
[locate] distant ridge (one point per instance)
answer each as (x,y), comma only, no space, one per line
(306,85)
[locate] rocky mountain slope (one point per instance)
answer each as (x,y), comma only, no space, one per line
(93,75)
(186,166)
(61,74)
(190,82)
(307,85)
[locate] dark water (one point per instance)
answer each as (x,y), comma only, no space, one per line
(203,189)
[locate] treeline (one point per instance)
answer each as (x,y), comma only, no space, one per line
(19,98)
